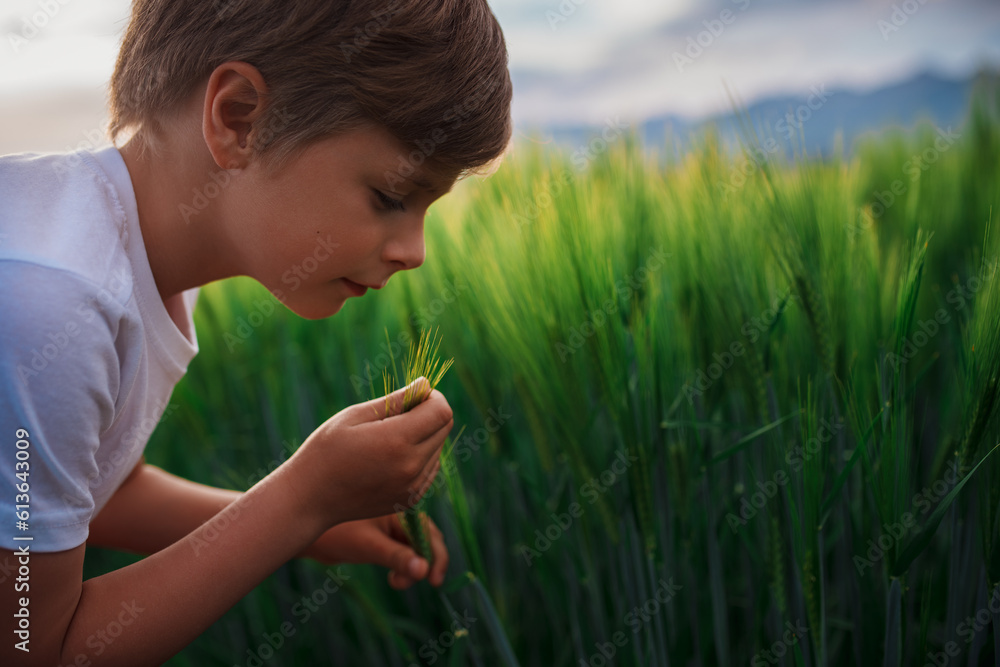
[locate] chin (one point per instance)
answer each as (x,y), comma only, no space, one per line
(315,311)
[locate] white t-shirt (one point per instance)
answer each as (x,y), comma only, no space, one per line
(89,353)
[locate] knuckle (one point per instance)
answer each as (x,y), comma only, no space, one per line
(396,443)
(444,413)
(411,468)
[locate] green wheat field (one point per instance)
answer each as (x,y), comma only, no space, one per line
(717,410)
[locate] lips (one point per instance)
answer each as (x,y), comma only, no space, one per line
(354,288)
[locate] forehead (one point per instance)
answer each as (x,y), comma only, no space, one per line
(400,166)
(372,155)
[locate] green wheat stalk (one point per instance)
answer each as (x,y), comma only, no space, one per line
(422,360)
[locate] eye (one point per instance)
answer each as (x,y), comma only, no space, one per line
(389,203)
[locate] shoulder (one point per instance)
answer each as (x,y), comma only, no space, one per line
(61,382)
(61,334)
(63,211)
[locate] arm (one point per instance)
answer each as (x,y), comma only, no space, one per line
(152,509)
(352,467)
(166,599)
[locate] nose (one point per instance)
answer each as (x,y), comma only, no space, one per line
(406,248)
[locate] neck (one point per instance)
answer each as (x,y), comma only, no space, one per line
(179,227)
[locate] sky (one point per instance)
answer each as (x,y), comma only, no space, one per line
(580,61)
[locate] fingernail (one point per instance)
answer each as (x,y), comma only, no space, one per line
(415,566)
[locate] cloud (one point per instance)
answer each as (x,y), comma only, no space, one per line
(679,64)
(604,57)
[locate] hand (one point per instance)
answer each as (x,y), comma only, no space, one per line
(381,541)
(365,462)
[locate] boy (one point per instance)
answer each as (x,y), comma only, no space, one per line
(259,132)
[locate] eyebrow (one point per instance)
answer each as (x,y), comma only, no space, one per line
(427,186)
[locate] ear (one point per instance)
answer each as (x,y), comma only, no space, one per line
(234,100)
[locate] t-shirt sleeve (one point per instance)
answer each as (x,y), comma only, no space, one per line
(59,382)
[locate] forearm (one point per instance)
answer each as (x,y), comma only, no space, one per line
(153,509)
(185,587)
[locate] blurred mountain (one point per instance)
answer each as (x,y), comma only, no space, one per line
(822,116)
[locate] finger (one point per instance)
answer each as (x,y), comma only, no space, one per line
(377,406)
(425,480)
(396,530)
(406,567)
(440,551)
(425,422)
(434,443)
(400,582)
(425,477)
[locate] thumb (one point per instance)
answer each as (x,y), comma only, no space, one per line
(391,405)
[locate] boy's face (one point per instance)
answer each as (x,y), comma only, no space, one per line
(334,220)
